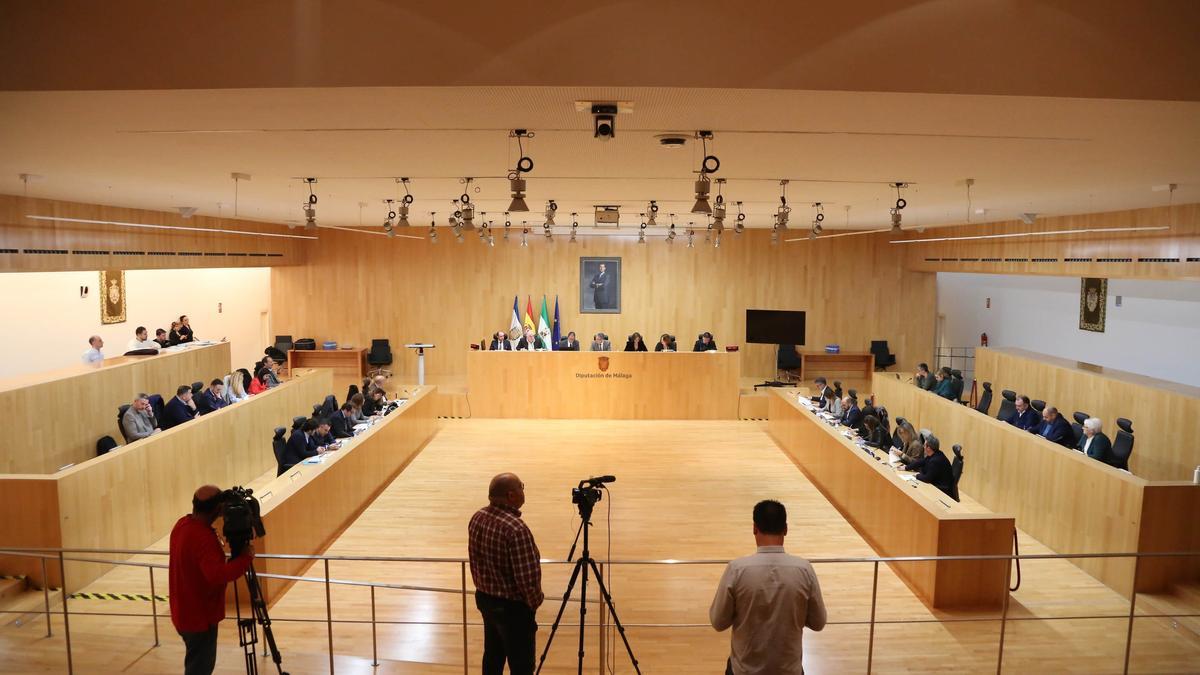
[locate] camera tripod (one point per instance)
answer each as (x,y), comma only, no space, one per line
(586,498)
(247,630)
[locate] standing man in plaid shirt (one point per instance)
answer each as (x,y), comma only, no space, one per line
(507,571)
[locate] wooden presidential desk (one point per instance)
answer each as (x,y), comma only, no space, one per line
(1165,415)
(306,508)
(131,497)
(839,366)
(343,362)
(1062,498)
(896,518)
(604,385)
(56,417)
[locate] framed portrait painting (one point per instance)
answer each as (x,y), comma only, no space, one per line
(112,296)
(1093,300)
(599,285)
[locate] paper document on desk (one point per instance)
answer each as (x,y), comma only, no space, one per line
(319,459)
(361,426)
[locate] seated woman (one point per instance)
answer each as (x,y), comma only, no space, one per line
(234,390)
(666,343)
(259,384)
(911,448)
(875,435)
(944,387)
(831,404)
(635,343)
(358,401)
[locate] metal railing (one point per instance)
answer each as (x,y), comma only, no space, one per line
(60,557)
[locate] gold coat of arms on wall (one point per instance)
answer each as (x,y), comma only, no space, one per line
(1093,300)
(112,296)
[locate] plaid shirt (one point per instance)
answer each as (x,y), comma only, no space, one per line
(505,561)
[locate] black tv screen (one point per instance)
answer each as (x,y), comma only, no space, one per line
(774,327)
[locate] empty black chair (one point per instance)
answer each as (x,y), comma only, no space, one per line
(298,422)
(787,361)
(896,437)
(1122,446)
(985,399)
(956,385)
(351,391)
(956,469)
(1008,404)
(318,409)
(120,416)
(197,387)
(330,406)
(277,446)
(380,356)
(1077,425)
(1038,405)
(105,445)
(883,357)
(837,389)
(283,344)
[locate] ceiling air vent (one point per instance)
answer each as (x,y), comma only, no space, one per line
(1158,260)
(1083,260)
(1044,259)
(9,250)
(1114,259)
(1016,260)
(989,260)
(46,251)
(129,253)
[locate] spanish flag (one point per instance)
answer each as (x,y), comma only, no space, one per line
(528,320)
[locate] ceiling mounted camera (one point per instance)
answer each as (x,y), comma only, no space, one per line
(604,120)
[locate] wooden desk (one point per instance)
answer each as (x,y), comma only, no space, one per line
(131,497)
(1165,415)
(343,362)
(57,416)
(896,518)
(604,385)
(840,366)
(1064,499)
(308,507)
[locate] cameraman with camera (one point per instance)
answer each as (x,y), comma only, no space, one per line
(198,576)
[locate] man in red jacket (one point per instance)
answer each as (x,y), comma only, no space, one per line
(199,573)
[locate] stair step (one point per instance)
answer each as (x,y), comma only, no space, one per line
(10,588)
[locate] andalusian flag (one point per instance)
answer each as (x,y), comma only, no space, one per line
(557,332)
(544,324)
(514,324)
(528,321)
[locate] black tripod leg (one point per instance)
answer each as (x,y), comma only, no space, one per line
(613,610)
(259,607)
(584,560)
(579,564)
(247,637)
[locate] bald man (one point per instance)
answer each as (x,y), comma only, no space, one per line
(198,575)
(93,354)
(506,567)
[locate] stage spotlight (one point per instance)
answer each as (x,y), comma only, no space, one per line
(524,165)
(895,221)
(433,227)
(507,225)
(652,221)
(517,185)
(710,164)
(524,236)
(574,227)
(551,207)
(405,202)
(818,218)
(774,235)
(310,208)
(741,221)
(671,233)
(702,187)
(549,234)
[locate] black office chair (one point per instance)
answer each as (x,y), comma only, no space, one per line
(120,416)
(787,362)
(298,422)
(883,358)
(158,406)
(1077,425)
(318,409)
(351,391)
(1008,404)
(837,390)
(329,407)
(1038,405)
(956,385)
(985,399)
(277,446)
(1122,446)
(956,469)
(380,356)
(197,387)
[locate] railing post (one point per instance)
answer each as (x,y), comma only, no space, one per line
(374,641)
(466,656)
(871,633)
(1137,559)
(1004,612)
(153,607)
(62,571)
(46,594)
(328,616)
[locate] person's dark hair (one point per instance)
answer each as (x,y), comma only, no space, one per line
(322,422)
(358,400)
(819,380)
(1024,399)
(182,317)
(142,396)
(923,367)
(871,422)
(207,506)
(347,406)
(945,371)
(638,336)
(706,334)
(770,517)
(378,390)
(139,329)
(310,424)
(261,375)
(215,382)
(933,442)
(160,331)
(183,389)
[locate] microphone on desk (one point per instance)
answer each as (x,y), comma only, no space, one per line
(597,480)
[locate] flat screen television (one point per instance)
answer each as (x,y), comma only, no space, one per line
(774,327)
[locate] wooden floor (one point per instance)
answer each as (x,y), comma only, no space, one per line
(684,491)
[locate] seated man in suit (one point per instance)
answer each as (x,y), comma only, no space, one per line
(161,339)
(923,378)
(635,343)
(500,342)
(270,379)
(341,424)
(933,468)
(1094,443)
(530,341)
(944,386)
(705,343)
(1055,428)
(298,447)
(321,439)
(600,343)
(140,341)
(1024,417)
(822,388)
(212,398)
(851,414)
(138,421)
(179,409)
(666,343)
(569,343)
